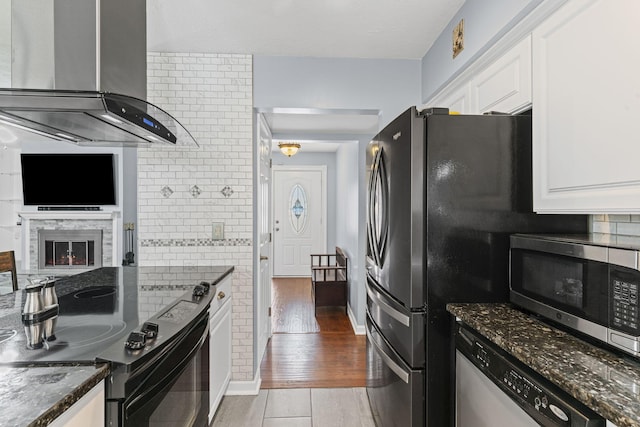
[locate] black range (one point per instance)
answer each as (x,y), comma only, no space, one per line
(98,309)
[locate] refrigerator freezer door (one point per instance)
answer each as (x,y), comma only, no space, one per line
(403,329)
(395,391)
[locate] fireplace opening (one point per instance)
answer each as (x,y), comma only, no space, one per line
(69,249)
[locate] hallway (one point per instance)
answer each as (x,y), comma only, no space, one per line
(307,351)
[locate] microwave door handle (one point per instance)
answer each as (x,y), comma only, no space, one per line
(400,317)
(388,360)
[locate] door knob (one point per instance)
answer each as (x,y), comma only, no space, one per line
(277,229)
(263,258)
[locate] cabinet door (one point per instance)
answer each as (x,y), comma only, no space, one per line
(220,356)
(505,85)
(455,98)
(586,109)
(88,411)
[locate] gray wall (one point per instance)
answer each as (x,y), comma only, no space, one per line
(485,21)
(389,86)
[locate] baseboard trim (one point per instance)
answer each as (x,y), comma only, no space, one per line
(357,329)
(242,388)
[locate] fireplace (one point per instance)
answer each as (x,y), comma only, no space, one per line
(69,249)
(107,223)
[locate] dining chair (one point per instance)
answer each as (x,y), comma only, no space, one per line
(8,264)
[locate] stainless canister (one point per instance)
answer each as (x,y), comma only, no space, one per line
(49,299)
(32,307)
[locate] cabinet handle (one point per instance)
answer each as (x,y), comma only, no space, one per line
(221,295)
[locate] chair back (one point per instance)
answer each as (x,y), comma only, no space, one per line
(8,264)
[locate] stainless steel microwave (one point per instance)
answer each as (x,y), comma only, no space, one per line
(588,283)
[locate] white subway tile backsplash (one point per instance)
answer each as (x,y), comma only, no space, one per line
(211,94)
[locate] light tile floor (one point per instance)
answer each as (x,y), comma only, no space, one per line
(297,407)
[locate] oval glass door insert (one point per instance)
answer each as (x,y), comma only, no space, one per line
(298,210)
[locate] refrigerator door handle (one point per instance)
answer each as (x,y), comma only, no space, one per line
(397,369)
(380,302)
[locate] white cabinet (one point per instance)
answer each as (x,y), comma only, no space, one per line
(219,345)
(88,411)
(586,114)
(505,85)
(455,98)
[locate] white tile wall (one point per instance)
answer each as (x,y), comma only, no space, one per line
(212,96)
(624,225)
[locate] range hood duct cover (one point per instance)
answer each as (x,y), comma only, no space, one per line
(79,74)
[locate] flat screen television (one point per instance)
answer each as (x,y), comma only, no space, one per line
(68,179)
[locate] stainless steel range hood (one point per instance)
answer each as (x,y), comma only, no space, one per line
(79,75)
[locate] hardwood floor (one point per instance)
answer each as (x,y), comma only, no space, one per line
(307,351)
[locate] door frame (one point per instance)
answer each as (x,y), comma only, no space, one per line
(262,302)
(323,194)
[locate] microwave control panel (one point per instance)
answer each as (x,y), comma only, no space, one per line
(624,305)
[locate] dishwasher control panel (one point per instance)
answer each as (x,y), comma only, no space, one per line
(541,399)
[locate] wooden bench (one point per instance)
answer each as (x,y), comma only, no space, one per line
(329,277)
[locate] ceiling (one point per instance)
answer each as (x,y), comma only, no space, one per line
(381,29)
(319,130)
(395,29)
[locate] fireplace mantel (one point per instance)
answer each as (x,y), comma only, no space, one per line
(31,220)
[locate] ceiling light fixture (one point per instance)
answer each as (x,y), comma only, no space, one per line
(289,148)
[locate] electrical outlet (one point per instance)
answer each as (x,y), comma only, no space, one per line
(458,38)
(217,229)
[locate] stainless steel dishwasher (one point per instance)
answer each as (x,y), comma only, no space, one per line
(493,388)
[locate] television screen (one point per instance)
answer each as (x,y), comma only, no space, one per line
(68,179)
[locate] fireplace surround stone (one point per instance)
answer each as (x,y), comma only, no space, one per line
(108,223)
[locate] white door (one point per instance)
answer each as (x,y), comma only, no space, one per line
(299,224)
(263,138)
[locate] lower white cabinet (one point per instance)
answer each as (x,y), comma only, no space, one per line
(88,411)
(219,345)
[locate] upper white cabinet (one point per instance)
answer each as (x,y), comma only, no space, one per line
(586,109)
(456,98)
(502,84)
(505,85)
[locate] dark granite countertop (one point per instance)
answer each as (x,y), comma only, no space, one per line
(605,381)
(35,396)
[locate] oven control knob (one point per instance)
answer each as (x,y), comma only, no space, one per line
(136,341)
(198,291)
(206,286)
(150,330)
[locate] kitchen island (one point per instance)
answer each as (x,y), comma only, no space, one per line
(605,381)
(98,310)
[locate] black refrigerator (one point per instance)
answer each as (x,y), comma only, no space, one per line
(444,194)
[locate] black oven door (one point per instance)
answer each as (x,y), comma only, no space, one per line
(173,388)
(551,283)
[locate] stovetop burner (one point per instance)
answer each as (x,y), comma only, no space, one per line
(95,292)
(7,334)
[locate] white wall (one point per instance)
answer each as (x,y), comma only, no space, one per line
(211,95)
